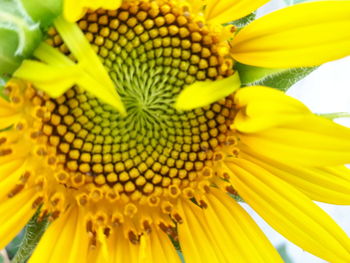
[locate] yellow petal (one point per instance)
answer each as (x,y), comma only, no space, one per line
(119,249)
(203,93)
(78,237)
(73,10)
(15,214)
(197,242)
(157,248)
(261,108)
(53,80)
(11,173)
(328,185)
(46,246)
(302,35)
(302,143)
(236,233)
(6,108)
(6,122)
(66,240)
(224,11)
(290,212)
(88,60)
(60,73)
(9,114)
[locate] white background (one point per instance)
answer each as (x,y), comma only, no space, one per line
(326,90)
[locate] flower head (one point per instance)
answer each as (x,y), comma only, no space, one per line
(136,133)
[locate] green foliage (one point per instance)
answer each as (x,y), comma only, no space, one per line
(41,11)
(244,20)
(284,80)
(19,36)
(13,17)
(33,232)
(21,24)
(12,248)
(281,79)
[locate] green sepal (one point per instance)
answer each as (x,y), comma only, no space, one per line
(41,11)
(19,36)
(12,248)
(252,75)
(237,197)
(21,25)
(244,20)
(32,235)
(13,17)
(281,79)
(9,62)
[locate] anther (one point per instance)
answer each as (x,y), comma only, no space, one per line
(231,190)
(5,152)
(54,215)
(18,188)
(203,204)
(135,239)
(146,226)
(177,218)
(3,140)
(166,229)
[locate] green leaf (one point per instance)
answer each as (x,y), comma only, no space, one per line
(281,79)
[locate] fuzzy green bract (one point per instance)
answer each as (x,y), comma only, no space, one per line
(21,29)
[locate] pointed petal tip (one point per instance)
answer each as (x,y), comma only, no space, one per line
(203,93)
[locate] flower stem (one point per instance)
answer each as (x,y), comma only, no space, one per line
(33,232)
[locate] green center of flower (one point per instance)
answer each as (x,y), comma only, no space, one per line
(152,51)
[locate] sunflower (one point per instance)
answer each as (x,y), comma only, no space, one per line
(124,174)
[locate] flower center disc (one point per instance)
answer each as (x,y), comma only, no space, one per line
(152,51)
